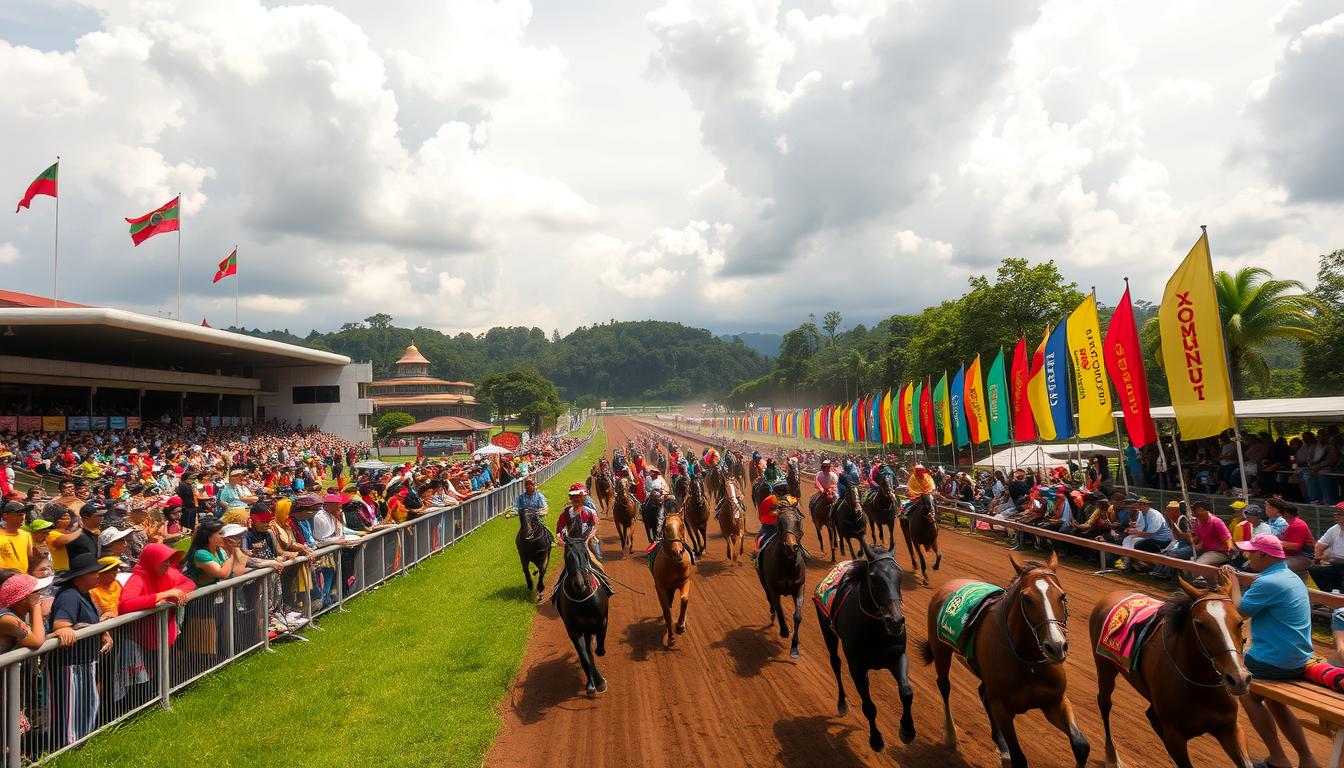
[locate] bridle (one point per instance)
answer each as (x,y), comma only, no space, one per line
(867,580)
(1035,628)
(1166,646)
(580,548)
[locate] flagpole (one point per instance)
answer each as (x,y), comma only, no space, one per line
(56,243)
(179,257)
(1180,473)
(1236,426)
(1124,473)
(235,286)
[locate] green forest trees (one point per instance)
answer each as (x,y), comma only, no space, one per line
(523,393)
(390,422)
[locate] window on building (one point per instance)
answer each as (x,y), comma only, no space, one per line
(311,395)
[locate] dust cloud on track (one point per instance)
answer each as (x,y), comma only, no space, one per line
(728,695)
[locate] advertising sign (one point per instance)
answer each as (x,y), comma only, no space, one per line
(9,423)
(508,440)
(53,423)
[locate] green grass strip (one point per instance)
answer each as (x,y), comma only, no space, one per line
(413,674)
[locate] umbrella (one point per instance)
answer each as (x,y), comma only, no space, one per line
(489,449)
(372,464)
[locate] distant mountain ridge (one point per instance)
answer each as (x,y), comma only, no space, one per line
(765,343)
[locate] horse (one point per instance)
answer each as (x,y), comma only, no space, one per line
(602,489)
(819,507)
(850,522)
(782,568)
(1017,649)
(649,514)
(882,508)
(791,476)
(870,622)
(681,488)
(919,527)
(534,549)
(715,480)
(696,512)
(672,567)
(582,604)
(1186,699)
(731,513)
(623,512)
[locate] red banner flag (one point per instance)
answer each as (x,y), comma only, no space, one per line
(1024,427)
(1124,362)
(926,425)
(903,414)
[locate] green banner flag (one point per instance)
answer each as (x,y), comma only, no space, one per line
(996,398)
(914,413)
(942,415)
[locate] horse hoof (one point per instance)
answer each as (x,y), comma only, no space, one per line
(793,653)
(591,691)
(602,686)
(907,736)
(681,628)
(601,650)
(875,741)
(784,632)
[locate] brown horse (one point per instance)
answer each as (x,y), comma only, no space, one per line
(794,478)
(672,568)
(696,511)
(715,479)
(602,489)
(1189,669)
(623,512)
(1018,651)
(919,527)
(732,519)
(819,507)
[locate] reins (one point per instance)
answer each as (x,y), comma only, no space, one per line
(1166,646)
(1016,594)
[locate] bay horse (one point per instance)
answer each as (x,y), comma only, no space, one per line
(819,507)
(1189,669)
(731,514)
(919,528)
(602,489)
(582,604)
(869,621)
(649,514)
(715,480)
(623,511)
(1018,651)
(672,568)
(782,568)
(534,550)
(851,524)
(882,508)
(695,509)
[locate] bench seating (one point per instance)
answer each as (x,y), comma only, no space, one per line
(1323,708)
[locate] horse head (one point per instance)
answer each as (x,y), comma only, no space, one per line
(674,529)
(577,562)
(1218,628)
(926,507)
(883,582)
(790,527)
(1044,605)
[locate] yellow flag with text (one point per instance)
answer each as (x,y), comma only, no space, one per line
(975,403)
(1091,386)
(1192,348)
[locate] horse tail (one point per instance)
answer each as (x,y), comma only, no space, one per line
(926,652)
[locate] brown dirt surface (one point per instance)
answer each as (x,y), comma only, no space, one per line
(728,695)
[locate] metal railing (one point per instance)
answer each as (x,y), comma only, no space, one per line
(55,697)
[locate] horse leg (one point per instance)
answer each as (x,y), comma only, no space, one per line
(1061,716)
(994,734)
(834,537)
(938,553)
(1177,747)
(797,621)
(923,571)
(584,661)
(942,667)
(860,678)
(527,573)
(777,612)
(909,542)
(599,682)
(685,599)
(665,600)
(1106,674)
(902,674)
(833,649)
(1003,717)
(1233,741)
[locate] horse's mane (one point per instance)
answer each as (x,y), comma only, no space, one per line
(1177,609)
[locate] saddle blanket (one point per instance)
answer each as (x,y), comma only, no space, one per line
(961,612)
(1125,627)
(762,539)
(828,593)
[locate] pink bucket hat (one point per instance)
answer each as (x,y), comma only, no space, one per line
(1265,543)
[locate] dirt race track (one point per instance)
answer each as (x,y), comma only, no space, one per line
(728,695)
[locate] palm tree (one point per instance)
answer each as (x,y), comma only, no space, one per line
(1256,309)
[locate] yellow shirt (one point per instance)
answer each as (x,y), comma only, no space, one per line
(105,598)
(14,548)
(920,484)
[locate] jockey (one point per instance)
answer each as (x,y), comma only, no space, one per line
(772,473)
(879,469)
(618,464)
(826,480)
(921,482)
(654,482)
(711,459)
(779,496)
(849,476)
(578,511)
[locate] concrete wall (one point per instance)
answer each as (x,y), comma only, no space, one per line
(341,418)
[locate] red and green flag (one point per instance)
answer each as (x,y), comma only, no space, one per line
(162,219)
(44,184)
(229,266)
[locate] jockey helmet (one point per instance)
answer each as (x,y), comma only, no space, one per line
(780,487)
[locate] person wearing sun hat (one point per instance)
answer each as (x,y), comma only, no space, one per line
(106,594)
(21,623)
(1279,609)
(72,686)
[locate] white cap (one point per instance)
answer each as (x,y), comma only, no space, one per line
(231,530)
(111,534)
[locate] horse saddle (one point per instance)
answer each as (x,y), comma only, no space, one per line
(1126,626)
(962,610)
(832,590)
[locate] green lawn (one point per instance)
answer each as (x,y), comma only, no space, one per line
(413,674)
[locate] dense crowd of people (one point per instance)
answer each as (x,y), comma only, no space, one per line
(146,518)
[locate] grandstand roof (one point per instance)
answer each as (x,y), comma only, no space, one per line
(16,299)
(440,424)
(102,334)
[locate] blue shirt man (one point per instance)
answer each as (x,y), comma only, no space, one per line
(531,500)
(1280,614)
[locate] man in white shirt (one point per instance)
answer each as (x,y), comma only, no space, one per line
(1328,573)
(654,482)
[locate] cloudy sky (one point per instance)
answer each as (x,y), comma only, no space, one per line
(732,164)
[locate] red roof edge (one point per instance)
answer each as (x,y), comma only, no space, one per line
(14,299)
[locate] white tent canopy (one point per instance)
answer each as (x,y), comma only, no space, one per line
(1047,455)
(1288,408)
(491,449)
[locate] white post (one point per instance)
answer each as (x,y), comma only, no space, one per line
(56,243)
(179,256)
(235,286)
(1124,474)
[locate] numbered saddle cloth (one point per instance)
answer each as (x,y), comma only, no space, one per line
(1127,624)
(830,592)
(962,610)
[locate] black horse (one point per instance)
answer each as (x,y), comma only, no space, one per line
(534,549)
(582,603)
(851,524)
(920,528)
(870,622)
(794,479)
(695,509)
(681,488)
(882,507)
(651,515)
(759,490)
(782,568)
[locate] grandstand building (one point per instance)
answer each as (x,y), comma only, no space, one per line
(73,367)
(412,390)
